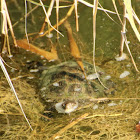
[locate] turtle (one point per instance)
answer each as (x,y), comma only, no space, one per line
(65,88)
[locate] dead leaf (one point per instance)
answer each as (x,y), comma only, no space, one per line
(73,46)
(50,56)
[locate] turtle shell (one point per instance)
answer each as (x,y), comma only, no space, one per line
(66,82)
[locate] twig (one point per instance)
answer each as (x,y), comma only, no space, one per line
(57,135)
(123,31)
(106,115)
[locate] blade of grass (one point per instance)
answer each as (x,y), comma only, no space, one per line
(57,16)
(38,4)
(60,22)
(126,43)
(136,17)
(48,18)
(25,15)
(76,15)
(92,6)
(9,22)
(130,18)
(3,28)
(94,38)
(25,2)
(108,15)
(114,4)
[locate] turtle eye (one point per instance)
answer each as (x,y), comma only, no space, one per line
(68,105)
(64,105)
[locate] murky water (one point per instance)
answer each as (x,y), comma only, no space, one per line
(108,31)
(107,47)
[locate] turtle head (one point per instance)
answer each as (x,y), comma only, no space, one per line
(66,106)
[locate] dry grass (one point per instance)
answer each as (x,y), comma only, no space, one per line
(105,123)
(116,122)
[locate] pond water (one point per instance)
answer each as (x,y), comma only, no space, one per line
(116,121)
